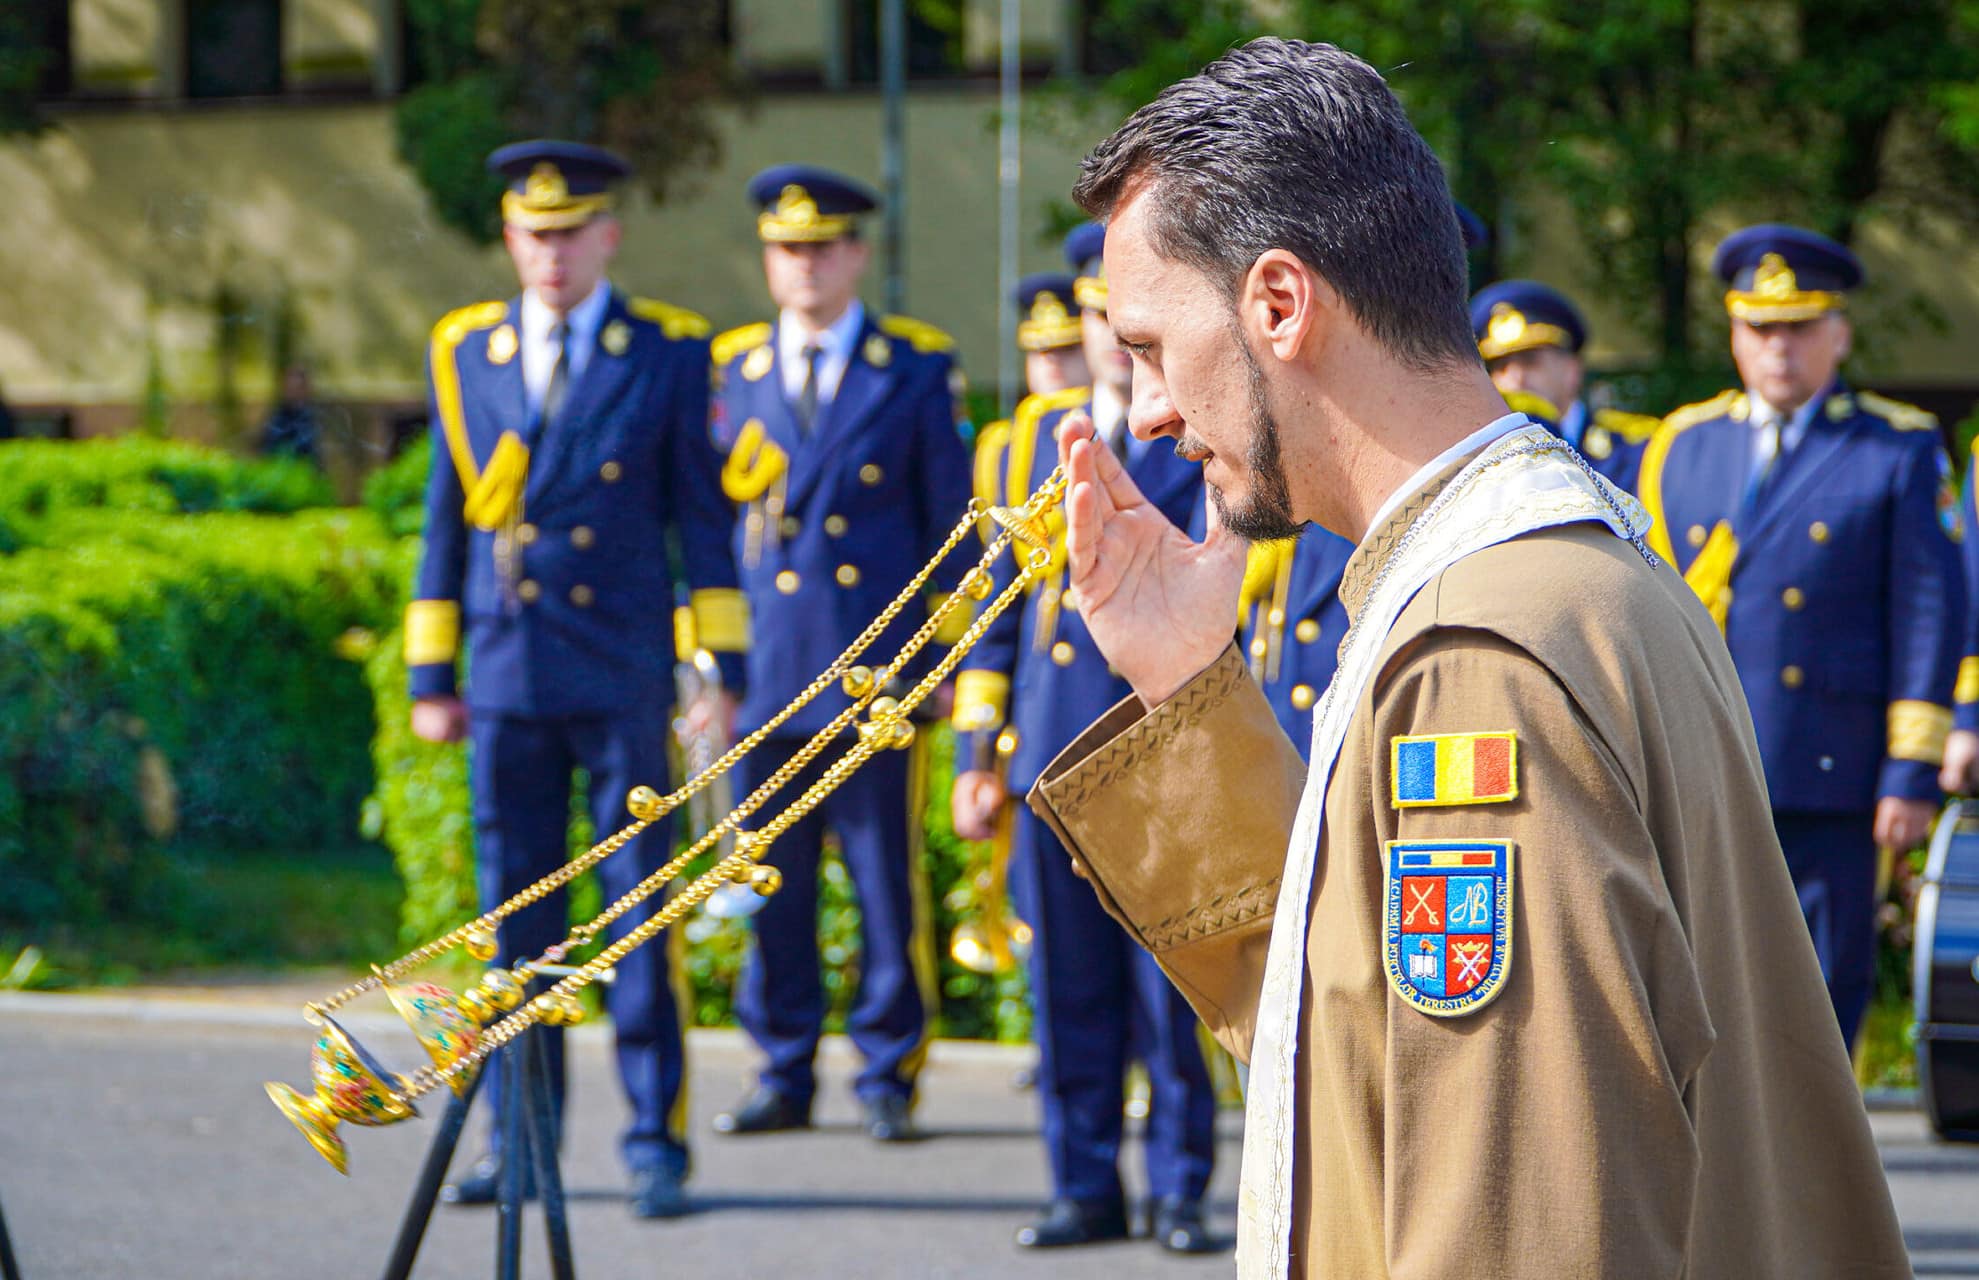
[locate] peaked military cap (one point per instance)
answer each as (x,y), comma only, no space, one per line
(1476,234)
(553,185)
(1083,248)
(1779,274)
(1046,319)
(1524,315)
(802,204)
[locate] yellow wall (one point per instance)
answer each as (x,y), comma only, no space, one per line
(124,225)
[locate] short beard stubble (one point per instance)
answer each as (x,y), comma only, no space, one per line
(1267,515)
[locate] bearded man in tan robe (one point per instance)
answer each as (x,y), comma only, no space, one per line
(1518,968)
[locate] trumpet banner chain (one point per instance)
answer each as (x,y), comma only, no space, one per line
(577,866)
(427,1078)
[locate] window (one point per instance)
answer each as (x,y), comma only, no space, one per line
(233,48)
(43,26)
(934,40)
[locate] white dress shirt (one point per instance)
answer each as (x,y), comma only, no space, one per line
(539,352)
(1765,445)
(835,348)
(1110,421)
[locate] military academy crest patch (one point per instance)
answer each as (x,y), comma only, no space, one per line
(1447,937)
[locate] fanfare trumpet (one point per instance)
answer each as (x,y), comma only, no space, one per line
(458,1032)
(995,940)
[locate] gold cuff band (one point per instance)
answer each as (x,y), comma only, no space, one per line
(1918,730)
(432,632)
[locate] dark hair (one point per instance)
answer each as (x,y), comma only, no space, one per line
(1281,144)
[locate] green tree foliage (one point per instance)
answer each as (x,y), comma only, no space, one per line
(1654,120)
(640,78)
(25,59)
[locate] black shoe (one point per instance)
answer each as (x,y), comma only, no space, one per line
(765,1111)
(1177,1226)
(483,1184)
(1070,1222)
(891,1119)
(656,1193)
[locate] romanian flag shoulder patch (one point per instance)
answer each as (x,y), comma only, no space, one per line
(1453,768)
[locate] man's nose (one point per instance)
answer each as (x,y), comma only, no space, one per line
(1150,415)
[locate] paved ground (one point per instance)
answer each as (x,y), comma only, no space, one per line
(135,1141)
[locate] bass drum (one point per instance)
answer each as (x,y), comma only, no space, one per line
(1945,976)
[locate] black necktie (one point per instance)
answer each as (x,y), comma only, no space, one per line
(553,395)
(807,398)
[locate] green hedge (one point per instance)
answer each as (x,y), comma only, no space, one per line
(175,677)
(39,478)
(422,811)
(397,491)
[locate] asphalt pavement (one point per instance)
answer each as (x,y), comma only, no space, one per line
(135,1141)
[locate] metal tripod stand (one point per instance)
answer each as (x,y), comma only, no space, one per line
(528,1123)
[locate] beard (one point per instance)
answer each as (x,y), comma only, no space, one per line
(1266,514)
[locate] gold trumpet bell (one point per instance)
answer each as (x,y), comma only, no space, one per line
(351,1088)
(973,949)
(443,1029)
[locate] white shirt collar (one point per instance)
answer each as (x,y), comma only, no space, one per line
(835,344)
(539,355)
(1109,413)
(1470,444)
(585,319)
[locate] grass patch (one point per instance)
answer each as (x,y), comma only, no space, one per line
(233,910)
(1886,1052)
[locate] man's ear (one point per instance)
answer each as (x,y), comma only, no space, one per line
(1284,302)
(1847,339)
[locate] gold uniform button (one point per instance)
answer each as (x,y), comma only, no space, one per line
(1696,535)
(787,582)
(870,475)
(527,590)
(525,534)
(580,595)
(610,472)
(847,575)
(1259,647)
(789,527)
(1302,696)
(1818,531)
(1307,631)
(1061,653)
(581,537)
(1793,597)
(1792,677)
(835,526)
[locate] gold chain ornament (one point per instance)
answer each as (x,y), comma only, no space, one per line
(459,1032)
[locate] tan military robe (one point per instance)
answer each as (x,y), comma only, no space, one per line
(1659,1088)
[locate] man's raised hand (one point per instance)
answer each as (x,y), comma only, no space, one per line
(1160,605)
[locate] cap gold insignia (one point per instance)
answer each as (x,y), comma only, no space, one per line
(758,364)
(546,186)
(1048,310)
(795,206)
(878,352)
(501,345)
(1507,324)
(616,337)
(1774,280)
